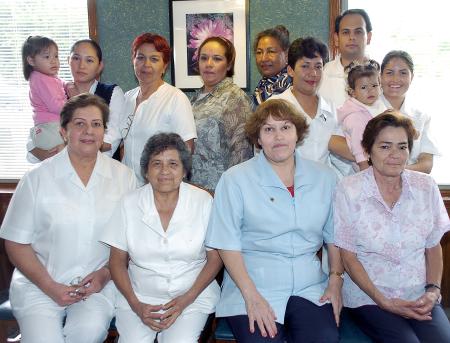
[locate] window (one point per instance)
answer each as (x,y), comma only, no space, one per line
(421,29)
(65,21)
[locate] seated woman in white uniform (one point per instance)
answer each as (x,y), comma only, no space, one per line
(158,258)
(52,228)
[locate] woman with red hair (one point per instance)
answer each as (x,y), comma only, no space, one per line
(154,106)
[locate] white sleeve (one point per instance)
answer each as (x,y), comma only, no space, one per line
(18,225)
(182,119)
(116,106)
(426,143)
(115,232)
(337,130)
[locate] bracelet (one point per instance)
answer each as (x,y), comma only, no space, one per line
(339,274)
(432,285)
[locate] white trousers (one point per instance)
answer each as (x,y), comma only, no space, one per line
(186,329)
(85,321)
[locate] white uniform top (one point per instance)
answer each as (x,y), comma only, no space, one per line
(115,110)
(421,121)
(166,110)
(62,219)
(334,82)
(164,264)
(321,128)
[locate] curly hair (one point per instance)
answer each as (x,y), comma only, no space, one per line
(278,109)
(162,142)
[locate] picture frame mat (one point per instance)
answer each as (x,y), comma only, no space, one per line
(179,11)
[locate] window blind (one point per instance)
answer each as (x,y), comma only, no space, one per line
(65,21)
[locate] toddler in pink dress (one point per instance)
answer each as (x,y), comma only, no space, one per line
(363,86)
(47,93)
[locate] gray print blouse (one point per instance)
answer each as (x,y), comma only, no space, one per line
(220,119)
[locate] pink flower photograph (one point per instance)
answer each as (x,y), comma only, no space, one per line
(200,26)
(193,21)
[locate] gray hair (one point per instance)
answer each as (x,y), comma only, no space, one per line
(161,142)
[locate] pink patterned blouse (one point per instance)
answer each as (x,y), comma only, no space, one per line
(390,244)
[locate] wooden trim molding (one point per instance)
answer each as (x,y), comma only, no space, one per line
(92,18)
(335,9)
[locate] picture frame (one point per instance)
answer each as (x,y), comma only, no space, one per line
(192,21)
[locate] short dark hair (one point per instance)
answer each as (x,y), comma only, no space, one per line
(357,70)
(306,47)
(230,51)
(93,43)
(279,32)
(161,142)
(389,118)
(398,54)
(32,46)
(278,109)
(159,42)
(358,11)
(81,101)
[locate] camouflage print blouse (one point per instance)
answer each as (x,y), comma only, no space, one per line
(220,119)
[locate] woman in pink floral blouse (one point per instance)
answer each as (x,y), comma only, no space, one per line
(388,223)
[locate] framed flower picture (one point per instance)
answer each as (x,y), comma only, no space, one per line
(192,21)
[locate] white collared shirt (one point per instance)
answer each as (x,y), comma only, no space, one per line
(164,264)
(321,128)
(61,218)
(334,83)
(166,110)
(421,121)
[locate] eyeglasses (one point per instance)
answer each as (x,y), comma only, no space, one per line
(126,130)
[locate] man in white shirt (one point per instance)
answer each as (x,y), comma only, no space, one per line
(352,33)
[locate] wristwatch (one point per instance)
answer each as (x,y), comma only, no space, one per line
(428,286)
